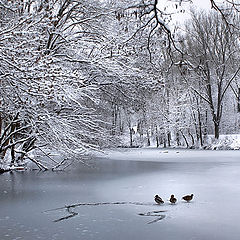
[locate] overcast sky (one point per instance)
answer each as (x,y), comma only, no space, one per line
(179,17)
(202,3)
(198,3)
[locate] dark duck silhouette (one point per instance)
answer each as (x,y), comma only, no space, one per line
(158,200)
(172,199)
(188,198)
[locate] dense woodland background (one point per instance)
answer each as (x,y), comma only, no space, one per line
(77,76)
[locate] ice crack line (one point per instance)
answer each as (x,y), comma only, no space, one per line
(158,214)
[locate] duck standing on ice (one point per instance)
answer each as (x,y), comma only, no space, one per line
(188,198)
(172,199)
(158,200)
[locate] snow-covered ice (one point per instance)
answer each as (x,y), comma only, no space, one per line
(171,155)
(128,176)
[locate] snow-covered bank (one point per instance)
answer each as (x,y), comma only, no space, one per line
(227,142)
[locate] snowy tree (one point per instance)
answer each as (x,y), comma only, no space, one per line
(212,56)
(50,77)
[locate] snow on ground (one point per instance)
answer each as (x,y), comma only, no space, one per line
(228,141)
(225,142)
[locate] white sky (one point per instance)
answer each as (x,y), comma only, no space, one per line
(170,7)
(205,4)
(199,3)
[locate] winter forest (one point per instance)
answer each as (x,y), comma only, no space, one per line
(82,76)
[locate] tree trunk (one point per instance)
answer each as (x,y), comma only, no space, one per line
(216,130)
(169,139)
(200,128)
(148,139)
(157,139)
(114,119)
(164,143)
(0,125)
(121,123)
(140,130)
(12,155)
(131,136)
(178,139)
(238,100)
(185,139)
(193,142)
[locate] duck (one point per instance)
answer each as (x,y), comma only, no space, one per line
(158,200)
(172,199)
(188,198)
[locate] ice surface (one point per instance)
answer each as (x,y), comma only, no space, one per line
(172,155)
(128,176)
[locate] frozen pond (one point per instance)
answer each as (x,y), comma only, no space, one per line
(132,178)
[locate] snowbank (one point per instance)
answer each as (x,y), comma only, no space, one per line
(225,142)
